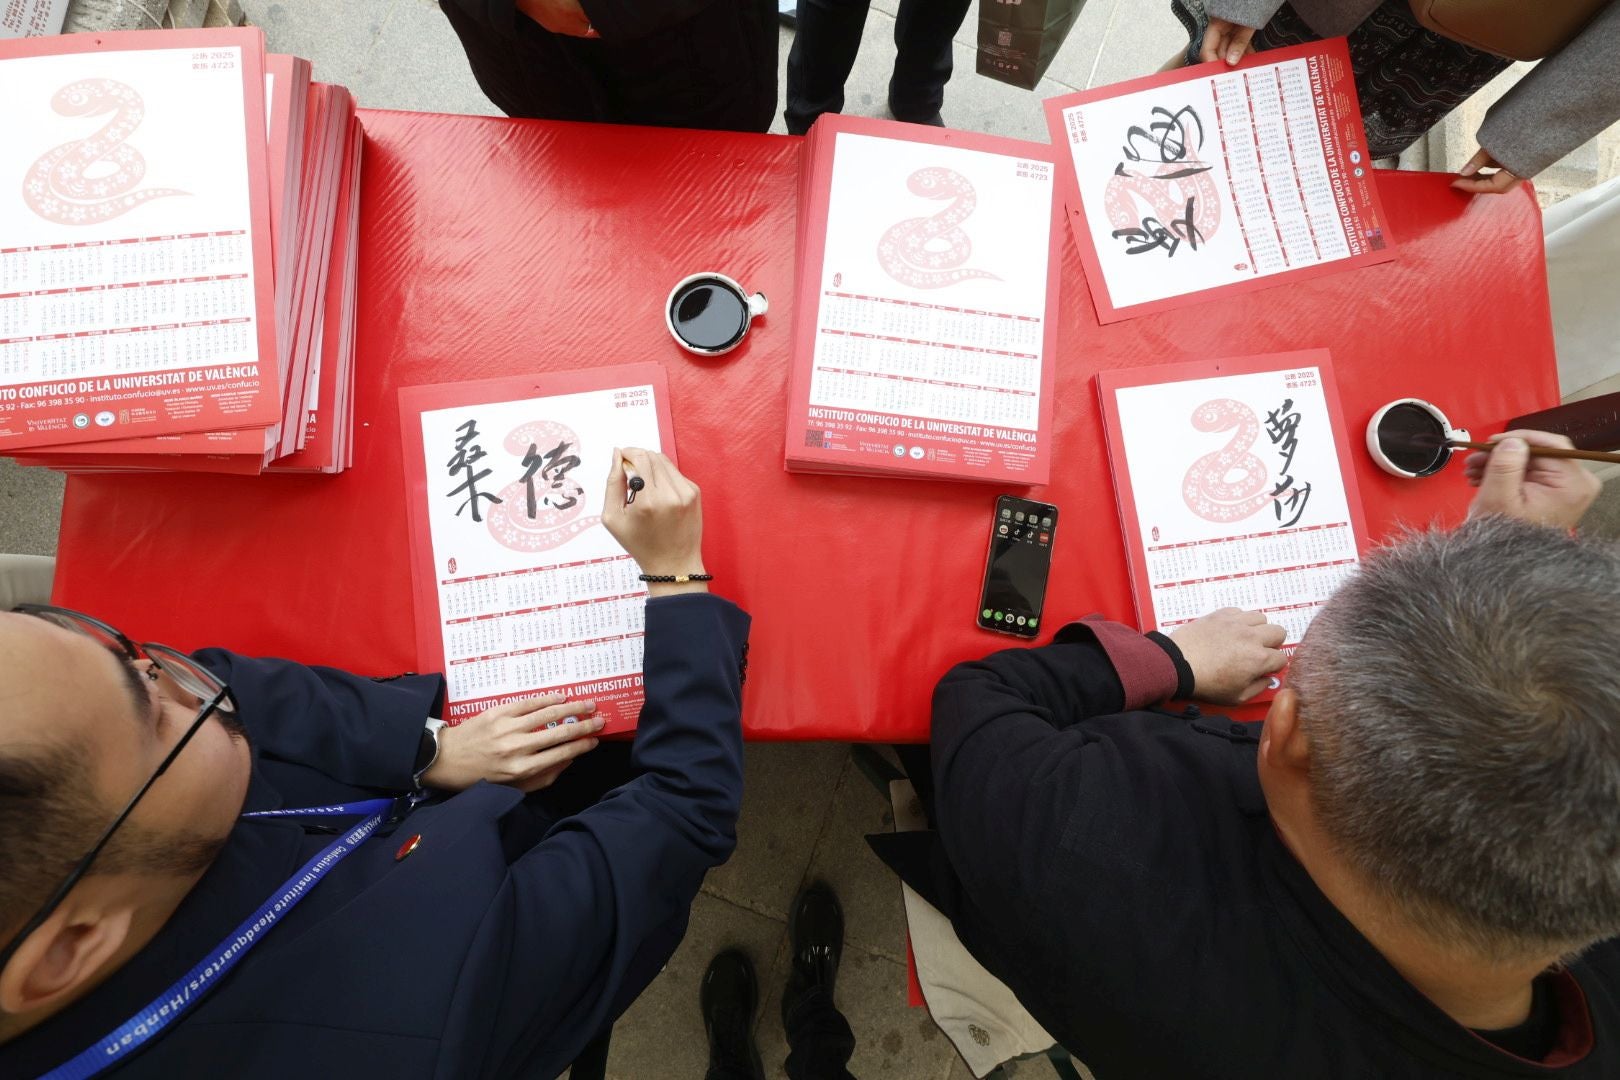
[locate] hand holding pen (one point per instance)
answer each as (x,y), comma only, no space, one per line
(632,482)
(660,523)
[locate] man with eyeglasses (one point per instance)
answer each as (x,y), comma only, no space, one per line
(212,865)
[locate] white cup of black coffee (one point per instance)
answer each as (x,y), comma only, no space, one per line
(710,314)
(1411,437)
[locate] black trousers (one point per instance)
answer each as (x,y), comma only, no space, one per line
(819,1043)
(828,37)
(716,70)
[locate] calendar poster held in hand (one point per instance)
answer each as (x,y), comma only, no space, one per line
(1210,180)
(519,589)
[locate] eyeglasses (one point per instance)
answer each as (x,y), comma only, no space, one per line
(211,693)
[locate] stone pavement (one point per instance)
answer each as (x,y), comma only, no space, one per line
(807,806)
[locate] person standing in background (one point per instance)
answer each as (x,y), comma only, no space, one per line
(681,63)
(829,37)
(1409,77)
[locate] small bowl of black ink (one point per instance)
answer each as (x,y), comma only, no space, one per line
(1411,438)
(709,314)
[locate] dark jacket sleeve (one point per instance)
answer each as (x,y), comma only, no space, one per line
(356,730)
(615,20)
(1562,102)
(601,902)
(1013,760)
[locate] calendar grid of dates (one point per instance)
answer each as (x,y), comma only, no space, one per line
(142,304)
(1275,167)
(1287,574)
(927,360)
(519,630)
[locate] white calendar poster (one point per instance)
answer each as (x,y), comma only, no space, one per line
(520,589)
(1211,179)
(928,349)
(1235,487)
(136,284)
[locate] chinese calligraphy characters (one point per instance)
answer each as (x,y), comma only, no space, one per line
(1282,426)
(464,460)
(1169,136)
(554,466)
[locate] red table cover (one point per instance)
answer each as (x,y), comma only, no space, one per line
(493,247)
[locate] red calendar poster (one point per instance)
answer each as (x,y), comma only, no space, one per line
(519,588)
(136,272)
(925,332)
(1210,180)
(330,142)
(1235,487)
(328,405)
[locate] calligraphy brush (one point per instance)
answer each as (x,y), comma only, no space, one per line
(1538,451)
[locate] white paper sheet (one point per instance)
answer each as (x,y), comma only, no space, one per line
(1210,182)
(933,292)
(1239,496)
(548,602)
(126,243)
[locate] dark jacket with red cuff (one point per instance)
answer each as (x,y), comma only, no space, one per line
(1114,864)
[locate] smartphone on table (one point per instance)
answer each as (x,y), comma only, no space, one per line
(1015,571)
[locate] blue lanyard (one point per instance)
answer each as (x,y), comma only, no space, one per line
(170,1005)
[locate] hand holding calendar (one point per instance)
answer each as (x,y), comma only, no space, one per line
(526,744)
(1232,653)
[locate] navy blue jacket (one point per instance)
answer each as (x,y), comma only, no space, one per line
(500,947)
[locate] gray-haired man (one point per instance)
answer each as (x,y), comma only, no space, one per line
(1412,869)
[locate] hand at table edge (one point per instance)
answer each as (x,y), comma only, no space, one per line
(1232,654)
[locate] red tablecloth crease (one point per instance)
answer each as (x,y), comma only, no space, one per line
(493,247)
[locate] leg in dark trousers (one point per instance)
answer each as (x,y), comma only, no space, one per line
(820,1041)
(825,43)
(922,65)
(828,38)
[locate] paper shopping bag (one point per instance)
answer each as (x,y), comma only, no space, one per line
(1019,38)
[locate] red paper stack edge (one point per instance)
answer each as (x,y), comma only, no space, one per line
(308,185)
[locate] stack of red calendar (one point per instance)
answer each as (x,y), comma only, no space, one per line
(925,327)
(178,255)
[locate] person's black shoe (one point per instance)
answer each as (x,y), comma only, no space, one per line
(816,932)
(729,995)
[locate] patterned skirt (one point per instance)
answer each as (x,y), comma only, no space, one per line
(1408,78)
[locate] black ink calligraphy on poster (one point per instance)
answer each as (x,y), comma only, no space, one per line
(545,503)
(1288,495)
(464,461)
(1161,197)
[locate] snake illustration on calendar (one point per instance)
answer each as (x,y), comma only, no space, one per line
(1208,489)
(1177,202)
(560,500)
(929,252)
(97,178)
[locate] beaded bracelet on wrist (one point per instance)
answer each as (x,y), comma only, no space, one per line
(673,579)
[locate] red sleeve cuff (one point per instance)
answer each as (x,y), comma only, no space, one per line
(1145,670)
